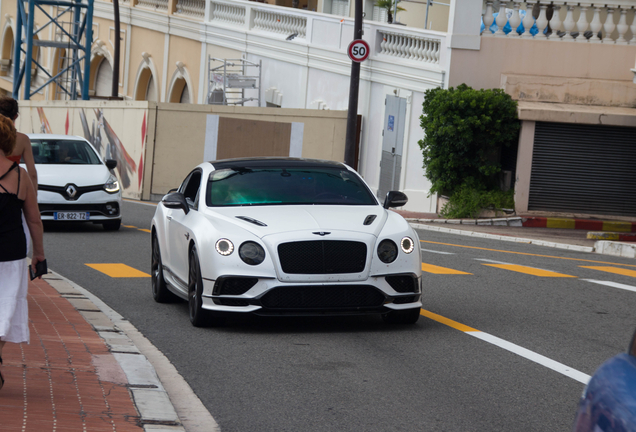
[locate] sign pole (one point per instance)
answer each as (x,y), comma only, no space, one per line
(352,116)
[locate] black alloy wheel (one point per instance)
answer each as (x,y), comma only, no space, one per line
(199,317)
(160,291)
(407,316)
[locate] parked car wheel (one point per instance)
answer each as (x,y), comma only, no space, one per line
(408,316)
(112,225)
(160,291)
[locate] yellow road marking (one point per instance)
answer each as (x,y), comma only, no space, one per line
(118,270)
(617,226)
(129,226)
(446,321)
(615,270)
(430,268)
(144,230)
(525,253)
(529,270)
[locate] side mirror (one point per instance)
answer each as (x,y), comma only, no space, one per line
(111,164)
(176,200)
(631,350)
(395,199)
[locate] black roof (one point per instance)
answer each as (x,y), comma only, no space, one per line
(274,162)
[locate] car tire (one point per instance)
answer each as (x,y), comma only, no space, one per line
(112,225)
(160,291)
(199,317)
(407,316)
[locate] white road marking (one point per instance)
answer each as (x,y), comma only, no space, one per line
(612,284)
(532,356)
(438,252)
(493,261)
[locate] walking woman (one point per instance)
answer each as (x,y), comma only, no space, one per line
(22,150)
(17,195)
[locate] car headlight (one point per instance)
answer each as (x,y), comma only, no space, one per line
(224,247)
(111,185)
(387,251)
(252,253)
(407,245)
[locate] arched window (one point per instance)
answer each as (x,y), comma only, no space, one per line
(185,95)
(104,79)
(151,93)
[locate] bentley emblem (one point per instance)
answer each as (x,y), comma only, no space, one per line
(71,191)
(321,233)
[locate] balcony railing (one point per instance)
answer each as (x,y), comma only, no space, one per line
(611,22)
(158,5)
(191,8)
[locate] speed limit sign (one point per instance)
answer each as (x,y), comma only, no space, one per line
(358,50)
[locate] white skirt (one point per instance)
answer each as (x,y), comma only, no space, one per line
(14,312)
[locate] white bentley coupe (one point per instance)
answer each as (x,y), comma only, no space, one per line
(284,236)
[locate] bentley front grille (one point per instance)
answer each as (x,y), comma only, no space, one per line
(322,257)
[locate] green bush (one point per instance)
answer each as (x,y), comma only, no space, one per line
(465,131)
(467,202)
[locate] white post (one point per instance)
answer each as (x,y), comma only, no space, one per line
(515,20)
(622,28)
(528,21)
(581,25)
(501,20)
(542,21)
(555,23)
(568,24)
(596,25)
(488,19)
(609,26)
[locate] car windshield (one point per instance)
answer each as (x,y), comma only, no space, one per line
(278,186)
(60,151)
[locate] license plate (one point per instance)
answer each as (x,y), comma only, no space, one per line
(71,216)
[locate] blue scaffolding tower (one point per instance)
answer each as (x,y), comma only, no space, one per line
(76,39)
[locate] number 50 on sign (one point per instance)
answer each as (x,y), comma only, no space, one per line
(358,50)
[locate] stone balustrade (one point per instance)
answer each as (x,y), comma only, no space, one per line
(278,22)
(409,47)
(158,5)
(581,21)
(191,8)
(228,13)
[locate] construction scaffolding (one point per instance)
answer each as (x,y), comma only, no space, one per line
(72,41)
(229,81)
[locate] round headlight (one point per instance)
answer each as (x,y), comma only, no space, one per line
(252,253)
(224,247)
(407,245)
(387,251)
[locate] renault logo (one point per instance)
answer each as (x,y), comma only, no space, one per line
(71,191)
(321,233)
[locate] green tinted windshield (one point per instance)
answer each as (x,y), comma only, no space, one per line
(56,151)
(272,186)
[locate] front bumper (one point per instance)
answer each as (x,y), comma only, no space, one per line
(269,296)
(100,205)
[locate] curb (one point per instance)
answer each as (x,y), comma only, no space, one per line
(511,221)
(625,250)
(585,224)
(598,235)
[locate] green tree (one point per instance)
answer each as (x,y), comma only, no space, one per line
(465,130)
(389,6)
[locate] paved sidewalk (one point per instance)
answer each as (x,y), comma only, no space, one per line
(80,372)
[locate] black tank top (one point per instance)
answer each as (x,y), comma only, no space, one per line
(12,238)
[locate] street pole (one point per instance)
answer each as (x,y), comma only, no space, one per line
(115,87)
(352,116)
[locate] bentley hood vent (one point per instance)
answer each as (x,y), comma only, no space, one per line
(369,219)
(251,220)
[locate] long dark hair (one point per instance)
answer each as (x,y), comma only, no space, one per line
(8,107)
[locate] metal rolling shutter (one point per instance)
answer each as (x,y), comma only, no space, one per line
(584,169)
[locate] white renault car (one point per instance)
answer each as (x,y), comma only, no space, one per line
(284,236)
(74,183)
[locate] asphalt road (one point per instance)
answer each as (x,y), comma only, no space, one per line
(490,368)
